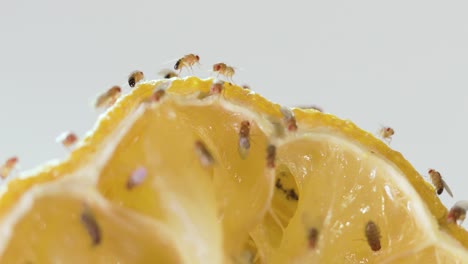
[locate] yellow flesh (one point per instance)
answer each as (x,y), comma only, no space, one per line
(232,211)
(52,231)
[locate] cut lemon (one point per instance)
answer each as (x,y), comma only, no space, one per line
(327,192)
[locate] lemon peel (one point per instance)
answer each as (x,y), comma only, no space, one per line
(330,176)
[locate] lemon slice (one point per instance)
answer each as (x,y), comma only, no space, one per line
(136,190)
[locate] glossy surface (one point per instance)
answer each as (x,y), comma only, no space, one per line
(328,175)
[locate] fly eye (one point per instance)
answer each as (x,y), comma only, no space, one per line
(131,82)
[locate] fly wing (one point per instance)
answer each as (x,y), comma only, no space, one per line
(167,73)
(286,111)
(308,107)
(101,100)
(170,61)
(447,188)
(243,147)
(4,171)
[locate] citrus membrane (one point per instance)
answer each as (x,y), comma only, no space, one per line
(329,179)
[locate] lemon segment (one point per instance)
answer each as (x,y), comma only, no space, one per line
(55,233)
(330,176)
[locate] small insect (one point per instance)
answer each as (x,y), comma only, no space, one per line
(168,74)
(137,177)
(291,194)
(223,69)
(312,237)
(67,139)
(187,61)
(8,166)
(206,159)
(372,232)
(135,77)
(438,182)
(246,86)
(271,156)
(289,118)
(279,185)
(89,222)
(457,213)
(108,98)
(244,139)
(157,95)
(386,134)
(217,87)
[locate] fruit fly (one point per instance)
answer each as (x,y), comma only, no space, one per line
(438,182)
(289,118)
(89,222)
(8,166)
(292,195)
(205,157)
(187,61)
(312,228)
(135,77)
(312,237)
(67,139)
(271,156)
(168,74)
(137,177)
(457,213)
(223,69)
(244,139)
(157,95)
(386,134)
(108,98)
(217,87)
(372,232)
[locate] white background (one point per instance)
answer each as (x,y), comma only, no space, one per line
(397,63)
